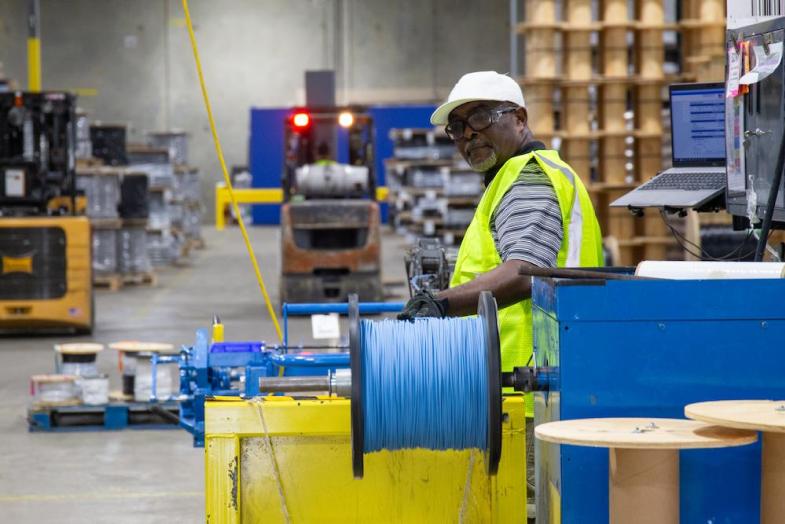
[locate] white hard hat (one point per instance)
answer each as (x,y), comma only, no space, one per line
(481,85)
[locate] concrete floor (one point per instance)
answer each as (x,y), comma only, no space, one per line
(138,476)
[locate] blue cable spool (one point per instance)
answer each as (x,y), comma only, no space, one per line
(400,404)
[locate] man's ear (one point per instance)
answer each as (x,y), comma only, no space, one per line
(522,115)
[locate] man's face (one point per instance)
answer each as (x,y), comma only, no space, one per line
(493,146)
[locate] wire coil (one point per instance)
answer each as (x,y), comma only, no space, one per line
(132,256)
(104,251)
(426,384)
(102,189)
(431,383)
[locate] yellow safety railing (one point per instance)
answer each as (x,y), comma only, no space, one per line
(256,195)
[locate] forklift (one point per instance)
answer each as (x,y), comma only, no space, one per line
(45,246)
(330,222)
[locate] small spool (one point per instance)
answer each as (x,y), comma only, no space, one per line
(102,189)
(54,390)
(134,195)
(77,359)
(104,251)
(94,389)
(129,351)
(132,256)
(487,310)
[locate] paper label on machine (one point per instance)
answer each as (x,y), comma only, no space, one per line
(734,143)
(326,326)
(734,71)
(14,183)
(766,62)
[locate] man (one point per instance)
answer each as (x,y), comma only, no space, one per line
(534,212)
(323,156)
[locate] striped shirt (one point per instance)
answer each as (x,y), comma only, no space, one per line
(527,223)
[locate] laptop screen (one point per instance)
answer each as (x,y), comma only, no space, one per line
(698,124)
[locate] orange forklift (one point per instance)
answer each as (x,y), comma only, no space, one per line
(330,222)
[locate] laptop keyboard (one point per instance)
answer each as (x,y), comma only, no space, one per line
(686,181)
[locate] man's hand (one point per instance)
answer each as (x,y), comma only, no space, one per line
(424,304)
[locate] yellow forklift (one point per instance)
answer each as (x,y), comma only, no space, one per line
(45,246)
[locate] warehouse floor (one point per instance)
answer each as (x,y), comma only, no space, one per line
(138,476)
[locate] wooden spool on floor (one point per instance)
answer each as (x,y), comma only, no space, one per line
(644,459)
(133,349)
(77,358)
(79,348)
(54,390)
(767,416)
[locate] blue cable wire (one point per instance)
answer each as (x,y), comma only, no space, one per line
(425,384)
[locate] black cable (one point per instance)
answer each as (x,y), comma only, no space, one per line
(684,247)
(703,254)
(165,414)
(679,238)
(772,201)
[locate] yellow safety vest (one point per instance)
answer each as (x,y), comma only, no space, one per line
(581,245)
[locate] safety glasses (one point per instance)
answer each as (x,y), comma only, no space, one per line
(477,121)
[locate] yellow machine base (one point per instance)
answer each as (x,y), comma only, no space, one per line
(312,447)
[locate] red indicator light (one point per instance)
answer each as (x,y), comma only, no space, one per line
(301,120)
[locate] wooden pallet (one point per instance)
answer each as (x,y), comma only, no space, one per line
(197,243)
(112,282)
(140,279)
(106,223)
(112,416)
(87,163)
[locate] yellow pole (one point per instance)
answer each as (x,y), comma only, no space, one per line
(33,47)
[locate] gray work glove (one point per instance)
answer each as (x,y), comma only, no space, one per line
(424,304)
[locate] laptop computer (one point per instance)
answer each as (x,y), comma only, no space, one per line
(697,148)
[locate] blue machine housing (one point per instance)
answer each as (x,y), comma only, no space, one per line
(218,369)
(647,349)
(210,370)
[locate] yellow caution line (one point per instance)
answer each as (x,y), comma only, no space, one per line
(97,495)
(85,91)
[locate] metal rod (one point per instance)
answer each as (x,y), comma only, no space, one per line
(312,346)
(771,202)
(557,272)
(293,384)
(366,308)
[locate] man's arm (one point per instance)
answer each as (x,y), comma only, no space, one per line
(507,286)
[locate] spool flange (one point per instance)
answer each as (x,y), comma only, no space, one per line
(487,311)
(356,358)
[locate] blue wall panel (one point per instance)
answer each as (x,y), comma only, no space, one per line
(265,157)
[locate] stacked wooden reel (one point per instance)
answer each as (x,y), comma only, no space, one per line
(612,62)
